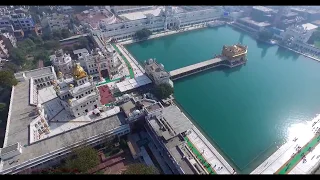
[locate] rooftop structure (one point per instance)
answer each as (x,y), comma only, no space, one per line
(92,18)
(58,21)
(234,51)
(62,61)
(44,127)
(141,14)
(263,9)
(157,72)
(128,9)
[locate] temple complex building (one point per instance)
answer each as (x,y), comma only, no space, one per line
(78,95)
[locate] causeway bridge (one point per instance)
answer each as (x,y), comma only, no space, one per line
(199,67)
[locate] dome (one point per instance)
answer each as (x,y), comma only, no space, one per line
(78,72)
(126,96)
(135,112)
(60,74)
(71,85)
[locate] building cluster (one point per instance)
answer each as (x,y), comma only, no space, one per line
(160,19)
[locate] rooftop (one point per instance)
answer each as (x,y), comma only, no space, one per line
(141,14)
(263,8)
(128,107)
(93,17)
(22,114)
(309,26)
(250,21)
(173,123)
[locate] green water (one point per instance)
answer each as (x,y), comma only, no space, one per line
(246,111)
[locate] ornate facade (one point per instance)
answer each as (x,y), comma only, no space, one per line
(62,61)
(79,94)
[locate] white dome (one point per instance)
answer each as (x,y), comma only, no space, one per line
(162,65)
(126,96)
(135,112)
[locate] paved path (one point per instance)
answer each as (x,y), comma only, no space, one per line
(209,153)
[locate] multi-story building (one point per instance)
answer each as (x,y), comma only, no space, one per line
(93,17)
(128,9)
(78,94)
(62,62)
(109,60)
(8,40)
(41,131)
(157,73)
(58,21)
(168,18)
(3,50)
(22,21)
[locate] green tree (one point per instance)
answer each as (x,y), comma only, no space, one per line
(65,33)
(7,79)
(2,106)
(83,42)
(143,33)
(17,56)
(163,91)
(82,160)
(47,36)
(56,35)
(52,44)
(36,39)
(140,168)
(11,67)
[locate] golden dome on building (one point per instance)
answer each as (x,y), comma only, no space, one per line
(71,85)
(60,74)
(78,72)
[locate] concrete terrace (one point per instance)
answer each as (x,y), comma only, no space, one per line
(21,116)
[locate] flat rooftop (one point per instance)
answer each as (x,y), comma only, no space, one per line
(309,26)
(262,8)
(250,21)
(172,124)
(18,129)
(141,14)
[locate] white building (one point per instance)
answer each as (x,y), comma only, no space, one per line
(108,59)
(167,19)
(58,21)
(3,50)
(42,77)
(157,73)
(128,9)
(299,33)
(35,140)
(62,61)
(79,94)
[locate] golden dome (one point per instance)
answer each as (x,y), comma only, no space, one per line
(59,74)
(69,101)
(78,72)
(71,85)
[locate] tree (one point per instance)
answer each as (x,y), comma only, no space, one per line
(17,56)
(83,41)
(163,91)
(82,159)
(2,106)
(56,35)
(65,33)
(52,44)
(7,79)
(36,39)
(11,67)
(140,168)
(143,33)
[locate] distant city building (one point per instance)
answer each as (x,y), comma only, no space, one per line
(58,21)
(251,25)
(128,9)
(8,40)
(3,50)
(19,21)
(161,19)
(92,18)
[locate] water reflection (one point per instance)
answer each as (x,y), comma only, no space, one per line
(283,53)
(302,131)
(241,38)
(264,46)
